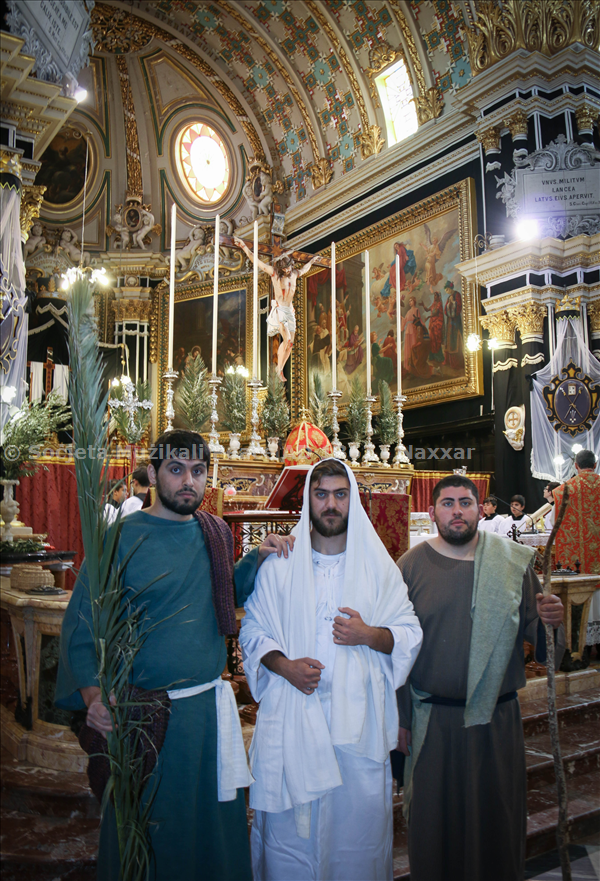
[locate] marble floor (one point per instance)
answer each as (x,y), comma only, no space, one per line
(585,864)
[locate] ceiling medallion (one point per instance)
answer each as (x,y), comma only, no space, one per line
(571,403)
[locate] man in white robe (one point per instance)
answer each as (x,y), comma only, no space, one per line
(328,637)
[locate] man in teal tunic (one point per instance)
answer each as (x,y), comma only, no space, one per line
(194,836)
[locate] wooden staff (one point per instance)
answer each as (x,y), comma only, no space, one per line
(562,830)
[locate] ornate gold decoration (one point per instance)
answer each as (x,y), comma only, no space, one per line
(545,26)
(118,32)
(586,116)
(158,314)
(529,320)
(371,142)
(380,57)
(132,310)
(31,202)
(10,163)
(500,325)
(516,123)
(100,13)
(134,165)
(321,172)
(593,311)
(429,105)
(569,303)
(230,9)
(490,139)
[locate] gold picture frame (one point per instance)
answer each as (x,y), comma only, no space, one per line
(193,318)
(432,237)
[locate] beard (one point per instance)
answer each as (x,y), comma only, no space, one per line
(328,530)
(175,503)
(457,534)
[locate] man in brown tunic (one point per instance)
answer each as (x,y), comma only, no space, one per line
(477,598)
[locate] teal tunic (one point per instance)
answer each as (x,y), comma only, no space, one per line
(194,836)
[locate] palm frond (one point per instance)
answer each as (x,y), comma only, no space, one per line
(275,415)
(192,404)
(319,406)
(356,414)
(233,398)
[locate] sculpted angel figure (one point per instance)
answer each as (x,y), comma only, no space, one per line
(36,239)
(146,227)
(282,317)
(194,245)
(259,194)
(120,227)
(434,249)
(68,242)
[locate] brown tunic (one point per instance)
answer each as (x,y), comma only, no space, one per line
(468,814)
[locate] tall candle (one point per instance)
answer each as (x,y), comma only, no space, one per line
(398,326)
(333,323)
(172,287)
(255,365)
(368,321)
(215,296)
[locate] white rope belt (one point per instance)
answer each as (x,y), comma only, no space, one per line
(232,766)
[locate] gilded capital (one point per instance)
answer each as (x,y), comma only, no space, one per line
(321,173)
(371,142)
(132,310)
(10,163)
(586,116)
(31,203)
(593,311)
(501,326)
(429,105)
(490,140)
(529,320)
(516,123)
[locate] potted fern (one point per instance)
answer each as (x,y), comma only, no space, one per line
(233,398)
(386,423)
(275,414)
(192,403)
(356,420)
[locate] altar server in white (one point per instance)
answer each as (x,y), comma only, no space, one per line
(328,637)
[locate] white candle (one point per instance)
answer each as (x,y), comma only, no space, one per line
(215,297)
(255,365)
(333,323)
(172,287)
(398,326)
(368,321)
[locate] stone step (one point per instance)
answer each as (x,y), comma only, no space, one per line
(580,750)
(572,709)
(53,848)
(28,789)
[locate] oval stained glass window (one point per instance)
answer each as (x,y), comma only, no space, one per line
(203,162)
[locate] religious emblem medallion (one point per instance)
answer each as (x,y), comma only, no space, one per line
(572,402)
(514,420)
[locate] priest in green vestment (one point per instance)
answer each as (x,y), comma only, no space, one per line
(193,834)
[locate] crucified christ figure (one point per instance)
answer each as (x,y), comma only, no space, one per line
(282,318)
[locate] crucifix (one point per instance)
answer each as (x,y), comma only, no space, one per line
(284,274)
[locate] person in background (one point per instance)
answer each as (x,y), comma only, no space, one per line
(549,517)
(491,521)
(139,487)
(116,496)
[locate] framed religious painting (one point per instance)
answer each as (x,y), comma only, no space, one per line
(192,334)
(438,309)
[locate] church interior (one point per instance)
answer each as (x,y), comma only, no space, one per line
(440,159)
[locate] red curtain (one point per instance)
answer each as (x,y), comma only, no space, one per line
(49,505)
(423,483)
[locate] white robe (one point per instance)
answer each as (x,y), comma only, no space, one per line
(321,761)
(492,525)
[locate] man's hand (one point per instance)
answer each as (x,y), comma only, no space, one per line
(550,609)
(98,715)
(276,544)
(404,740)
(303,673)
(354,631)
(240,243)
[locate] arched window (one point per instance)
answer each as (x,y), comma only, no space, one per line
(203,162)
(396,94)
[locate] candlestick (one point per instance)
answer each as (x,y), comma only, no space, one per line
(170,376)
(398,327)
(255,448)
(333,323)
(338,450)
(255,366)
(369,454)
(368,323)
(400,458)
(214,445)
(172,286)
(215,297)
